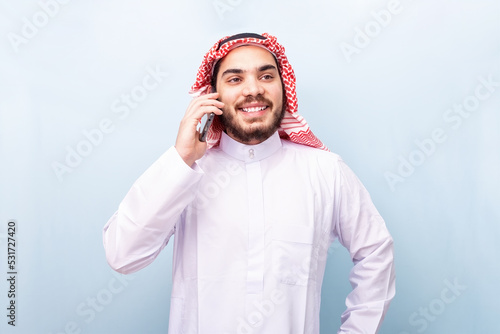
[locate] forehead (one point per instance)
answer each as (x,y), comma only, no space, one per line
(247,57)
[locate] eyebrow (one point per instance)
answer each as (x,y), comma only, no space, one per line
(267,67)
(239,71)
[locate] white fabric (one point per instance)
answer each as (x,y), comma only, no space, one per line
(252,226)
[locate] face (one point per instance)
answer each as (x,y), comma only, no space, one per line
(250,86)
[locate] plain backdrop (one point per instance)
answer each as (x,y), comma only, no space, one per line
(407,92)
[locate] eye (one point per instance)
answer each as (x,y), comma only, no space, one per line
(234,80)
(267,77)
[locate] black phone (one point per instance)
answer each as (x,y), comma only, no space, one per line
(206,121)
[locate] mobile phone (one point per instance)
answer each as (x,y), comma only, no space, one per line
(206,121)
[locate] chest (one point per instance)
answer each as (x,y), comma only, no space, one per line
(234,198)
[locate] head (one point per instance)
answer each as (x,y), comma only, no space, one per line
(249,83)
(256,82)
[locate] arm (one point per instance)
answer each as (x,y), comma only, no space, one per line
(146,218)
(361,229)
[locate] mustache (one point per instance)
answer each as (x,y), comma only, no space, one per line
(253,99)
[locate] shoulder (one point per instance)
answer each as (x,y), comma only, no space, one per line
(329,165)
(311,153)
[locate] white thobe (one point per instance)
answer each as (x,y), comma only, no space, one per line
(253,225)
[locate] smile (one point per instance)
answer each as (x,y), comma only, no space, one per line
(254,109)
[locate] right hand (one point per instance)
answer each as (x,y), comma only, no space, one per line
(187,144)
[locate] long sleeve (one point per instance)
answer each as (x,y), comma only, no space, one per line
(361,229)
(146,218)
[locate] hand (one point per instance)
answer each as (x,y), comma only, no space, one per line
(187,144)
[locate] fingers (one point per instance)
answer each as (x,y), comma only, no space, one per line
(188,145)
(203,105)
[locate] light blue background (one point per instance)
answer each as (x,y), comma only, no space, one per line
(370,107)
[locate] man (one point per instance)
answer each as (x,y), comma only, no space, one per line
(254,209)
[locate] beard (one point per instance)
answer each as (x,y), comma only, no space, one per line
(244,132)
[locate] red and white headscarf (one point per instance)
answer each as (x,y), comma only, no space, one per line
(293,127)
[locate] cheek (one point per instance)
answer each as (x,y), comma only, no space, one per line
(227,96)
(277,92)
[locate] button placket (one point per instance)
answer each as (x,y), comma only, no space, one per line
(255,274)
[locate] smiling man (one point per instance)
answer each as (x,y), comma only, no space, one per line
(254,209)
(251,86)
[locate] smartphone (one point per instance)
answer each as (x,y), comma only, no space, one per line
(206,121)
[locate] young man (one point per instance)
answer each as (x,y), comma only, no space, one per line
(254,209)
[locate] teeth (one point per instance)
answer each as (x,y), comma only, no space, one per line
(253,109)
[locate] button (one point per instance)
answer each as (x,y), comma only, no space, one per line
(251,153)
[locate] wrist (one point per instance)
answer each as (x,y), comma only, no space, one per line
(187,158)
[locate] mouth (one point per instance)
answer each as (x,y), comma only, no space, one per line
(253,109)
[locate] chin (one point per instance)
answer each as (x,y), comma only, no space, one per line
(250,131)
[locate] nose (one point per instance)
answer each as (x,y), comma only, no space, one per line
(253,87)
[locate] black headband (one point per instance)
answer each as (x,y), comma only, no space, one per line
(238,36)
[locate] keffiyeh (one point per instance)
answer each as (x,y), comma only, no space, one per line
(293,126)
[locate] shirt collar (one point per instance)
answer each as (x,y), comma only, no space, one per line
(250,153)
